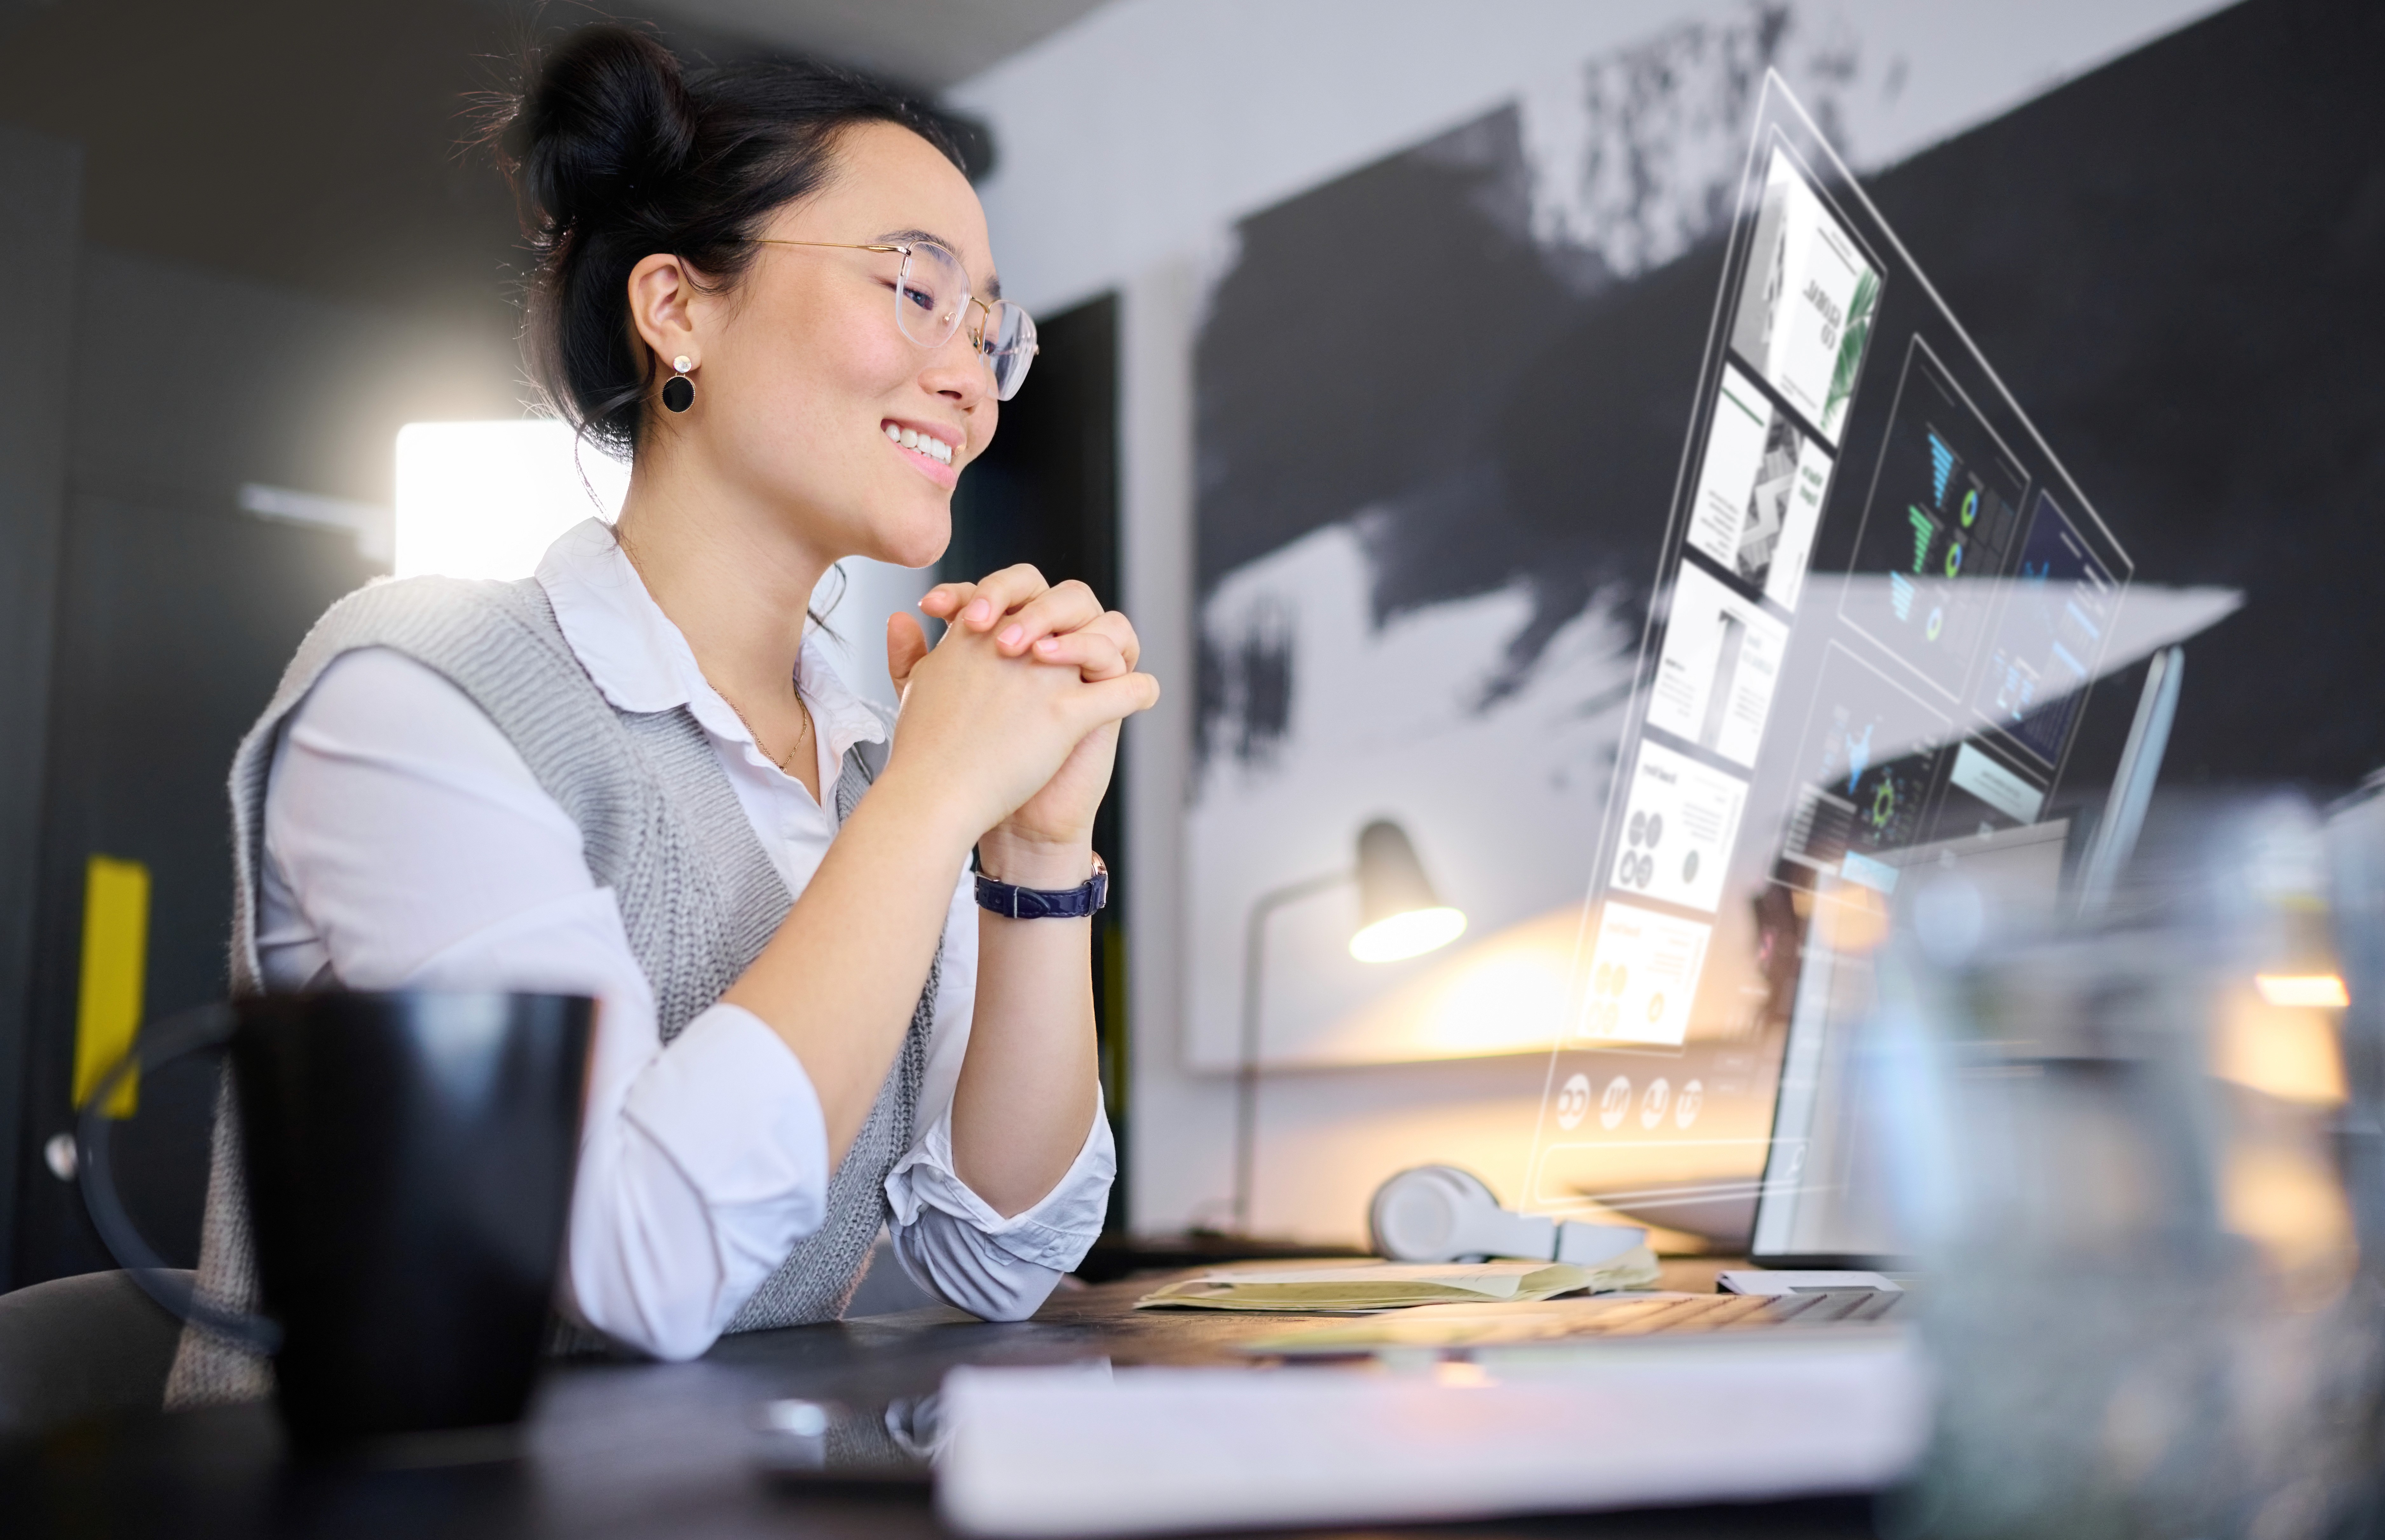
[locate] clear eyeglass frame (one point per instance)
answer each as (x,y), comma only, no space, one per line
(932,295)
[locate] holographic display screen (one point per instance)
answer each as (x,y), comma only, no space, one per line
(1879,613)
(2054,620)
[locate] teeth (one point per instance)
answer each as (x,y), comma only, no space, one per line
(925,443)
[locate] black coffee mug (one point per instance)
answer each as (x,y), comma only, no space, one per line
(409,1160)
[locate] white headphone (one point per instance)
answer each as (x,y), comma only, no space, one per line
(1447,1213)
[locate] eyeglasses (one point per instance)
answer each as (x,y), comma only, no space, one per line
(932,295)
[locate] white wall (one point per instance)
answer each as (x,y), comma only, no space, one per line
(1129,144)
(1136,135)
(870,592)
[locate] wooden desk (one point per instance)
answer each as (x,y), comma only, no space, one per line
(642,1450)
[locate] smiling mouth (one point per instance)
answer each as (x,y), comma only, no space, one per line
(925,443)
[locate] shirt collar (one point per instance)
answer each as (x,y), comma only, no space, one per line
(642,662)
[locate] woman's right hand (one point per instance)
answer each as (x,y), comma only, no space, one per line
(981,731)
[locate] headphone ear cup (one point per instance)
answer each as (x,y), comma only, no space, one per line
(1447,1213)
(1429,1214)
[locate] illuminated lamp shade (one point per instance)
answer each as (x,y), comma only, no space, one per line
(1400,916)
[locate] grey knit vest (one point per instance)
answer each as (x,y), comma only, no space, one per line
(661,826)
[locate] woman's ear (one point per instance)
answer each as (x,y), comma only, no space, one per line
(663,296)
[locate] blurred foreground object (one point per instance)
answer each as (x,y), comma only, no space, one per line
(2139,1154)
(1059,1451)
(397,1204)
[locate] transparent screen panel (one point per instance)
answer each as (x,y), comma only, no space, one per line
(1878,621)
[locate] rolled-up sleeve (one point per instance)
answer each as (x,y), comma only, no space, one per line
(951,1240)
(713,1167)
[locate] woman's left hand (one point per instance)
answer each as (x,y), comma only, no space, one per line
(1049,835)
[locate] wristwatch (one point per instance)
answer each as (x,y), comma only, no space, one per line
(1046,903)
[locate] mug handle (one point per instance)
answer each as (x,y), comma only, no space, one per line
(206,1026)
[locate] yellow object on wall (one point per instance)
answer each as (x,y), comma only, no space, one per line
(115,960)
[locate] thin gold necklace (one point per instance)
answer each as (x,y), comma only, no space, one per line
(802,732)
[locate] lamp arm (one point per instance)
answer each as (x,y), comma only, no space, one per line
(1246,1087)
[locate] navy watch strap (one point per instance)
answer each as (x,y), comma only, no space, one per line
(1046,903)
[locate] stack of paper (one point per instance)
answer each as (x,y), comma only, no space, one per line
(1344,1288)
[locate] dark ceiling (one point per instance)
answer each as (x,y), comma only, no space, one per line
(326,147)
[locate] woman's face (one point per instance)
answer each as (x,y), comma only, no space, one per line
(804,367)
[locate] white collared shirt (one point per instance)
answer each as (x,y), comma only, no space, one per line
(407,846)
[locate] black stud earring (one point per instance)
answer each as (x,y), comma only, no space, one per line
(679,391)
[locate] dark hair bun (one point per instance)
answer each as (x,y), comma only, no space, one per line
(608,113)
(617,153)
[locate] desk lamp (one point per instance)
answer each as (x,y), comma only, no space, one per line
(1400,916)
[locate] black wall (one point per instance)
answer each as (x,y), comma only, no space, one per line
(2178,263)
(174,613)
(1046,492)
(175,624)
(41,190)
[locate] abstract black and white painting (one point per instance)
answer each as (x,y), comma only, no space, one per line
(1440,405)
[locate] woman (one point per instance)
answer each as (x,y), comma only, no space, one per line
(636,776)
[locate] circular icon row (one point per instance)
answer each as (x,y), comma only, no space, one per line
(1614,1102)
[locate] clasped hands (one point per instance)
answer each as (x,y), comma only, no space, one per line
(1016,714)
